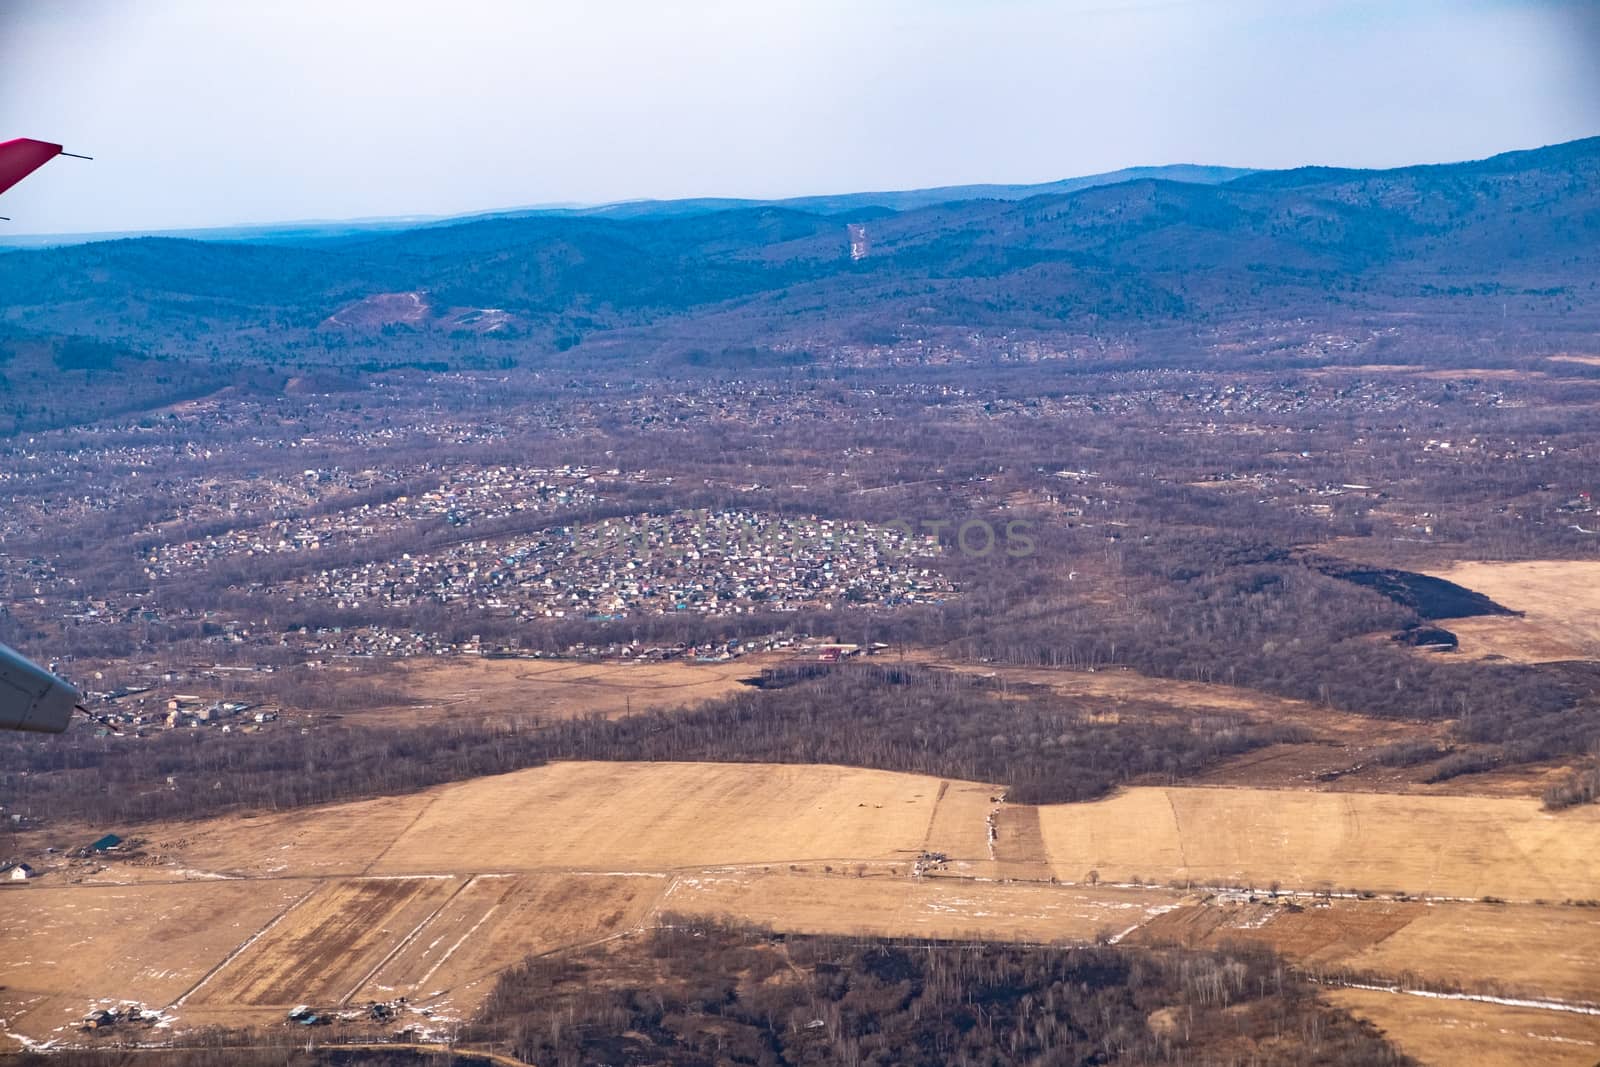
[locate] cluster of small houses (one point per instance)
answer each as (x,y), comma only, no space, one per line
(374,641)
(376,1011)
(717,563)
(190,711)
(18,871)
(181,711)
(464,495)
(804,646)
(122,1015)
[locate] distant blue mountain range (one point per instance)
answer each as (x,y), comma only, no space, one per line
(901,200)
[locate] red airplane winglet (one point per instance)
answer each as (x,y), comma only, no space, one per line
(23,156)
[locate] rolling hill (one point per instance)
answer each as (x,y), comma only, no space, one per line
(1466,239)
(896,200)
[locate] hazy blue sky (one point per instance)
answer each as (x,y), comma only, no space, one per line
(206,112)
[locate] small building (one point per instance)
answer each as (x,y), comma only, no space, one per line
(106,843)
(21,872)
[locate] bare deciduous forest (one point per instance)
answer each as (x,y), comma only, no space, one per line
(698,992)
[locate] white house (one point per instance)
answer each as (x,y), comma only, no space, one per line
(21,872)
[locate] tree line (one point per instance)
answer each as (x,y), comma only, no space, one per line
(1041,746)
(696,991)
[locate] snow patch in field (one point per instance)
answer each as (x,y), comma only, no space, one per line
(1477,998)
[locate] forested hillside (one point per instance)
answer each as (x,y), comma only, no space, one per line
(1465,245)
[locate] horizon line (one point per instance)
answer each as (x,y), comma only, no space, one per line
(361,223)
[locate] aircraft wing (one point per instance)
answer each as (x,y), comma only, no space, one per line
(31,698)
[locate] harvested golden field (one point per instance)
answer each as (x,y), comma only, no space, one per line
(115,923)
(1500,949)
(1552,952)
(668,815)
(1559,599)
(1452,1033)
(1519,952)
(326,947)
(604,815)
(958,827)
(843,902)
(62,949)
(296,843)
(1464,847)
(494,921)
(430,896)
